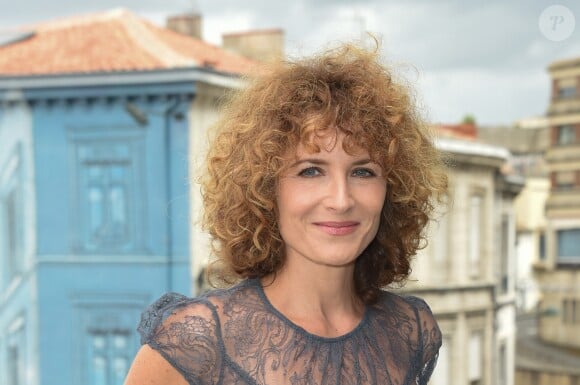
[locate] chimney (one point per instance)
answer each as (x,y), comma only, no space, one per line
(188,24)
(261,45)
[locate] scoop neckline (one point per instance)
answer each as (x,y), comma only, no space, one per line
(300,329)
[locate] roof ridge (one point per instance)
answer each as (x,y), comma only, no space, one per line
(139,30)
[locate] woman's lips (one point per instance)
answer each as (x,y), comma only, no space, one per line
(338,228)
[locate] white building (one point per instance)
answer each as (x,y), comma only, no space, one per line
(467,272)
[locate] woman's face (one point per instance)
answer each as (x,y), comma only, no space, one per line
(329,204)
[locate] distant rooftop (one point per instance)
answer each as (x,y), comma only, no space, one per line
(113,41)
(465,147)
(565,63)
(518,140)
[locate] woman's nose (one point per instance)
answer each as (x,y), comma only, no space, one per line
(339,195)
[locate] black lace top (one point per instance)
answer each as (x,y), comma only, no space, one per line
(235,336)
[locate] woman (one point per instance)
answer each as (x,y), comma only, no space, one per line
(320,180)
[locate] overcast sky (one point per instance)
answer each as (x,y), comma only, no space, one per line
(484,58)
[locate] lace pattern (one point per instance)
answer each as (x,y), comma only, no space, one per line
(236,336)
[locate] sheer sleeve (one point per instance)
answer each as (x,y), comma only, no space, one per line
(186,333)
(430,341)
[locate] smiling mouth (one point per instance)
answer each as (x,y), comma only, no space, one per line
(337,228)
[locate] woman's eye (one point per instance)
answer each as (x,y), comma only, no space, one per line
(363,173)
(310,172)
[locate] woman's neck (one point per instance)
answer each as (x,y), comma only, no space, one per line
(320,299)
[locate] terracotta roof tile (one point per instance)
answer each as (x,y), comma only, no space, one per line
(111,42)
(461,131)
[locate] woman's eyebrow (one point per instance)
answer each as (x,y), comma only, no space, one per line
(324,162)
(308,160)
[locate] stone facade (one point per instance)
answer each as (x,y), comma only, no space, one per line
(560,276)
(466,273)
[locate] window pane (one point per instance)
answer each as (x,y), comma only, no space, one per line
(99,371)
(120,369)
(95,173)
(504,263)
(567,92)
(503,371)
(118,173)
(566,134)
(542,246)
(569,244)
(99,342)
(109,353)
(117,201)
(120,342)
(95,212)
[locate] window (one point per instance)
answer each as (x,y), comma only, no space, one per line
(108,196)
(570,311)
(104,335)
(11,218)
(564,179)
(503,365)
(542,246)
(566,134)
(567,92)
(504,254)
(108,356)
(475,234)
(568,242)
(475,364)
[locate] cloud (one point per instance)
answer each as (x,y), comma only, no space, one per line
(492,97)
(487,57)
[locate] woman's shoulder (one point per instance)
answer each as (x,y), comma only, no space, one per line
(172,306)
(409,307)
(186,331)
(388,299)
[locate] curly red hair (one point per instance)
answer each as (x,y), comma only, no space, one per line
(345,89)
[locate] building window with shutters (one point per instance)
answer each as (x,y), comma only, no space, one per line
(105,336)
(108,356)
(108,193)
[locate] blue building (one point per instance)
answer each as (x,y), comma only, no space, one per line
(95,134)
